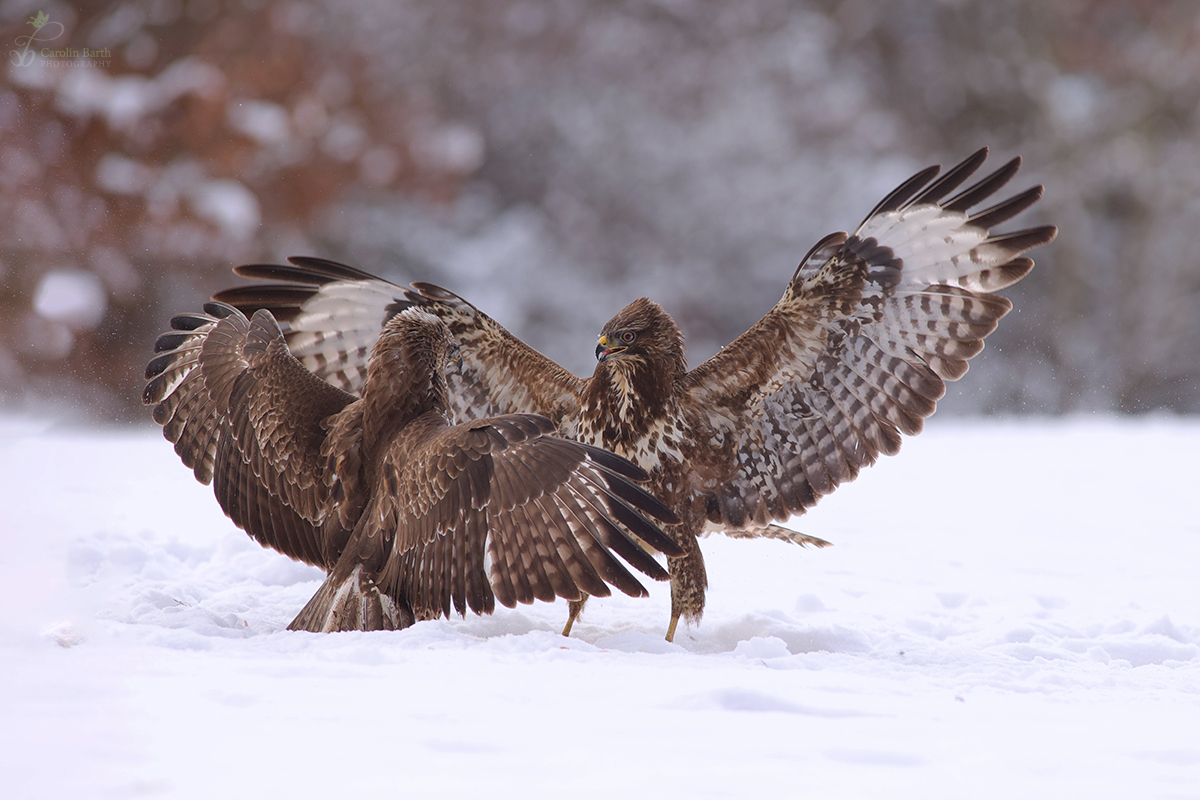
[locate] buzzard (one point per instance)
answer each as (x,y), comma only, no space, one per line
(856,353)
(411,516)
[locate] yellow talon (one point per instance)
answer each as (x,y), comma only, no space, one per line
(576,608)
(671,628)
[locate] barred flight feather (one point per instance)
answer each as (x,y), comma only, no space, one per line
(403,509)
(854,355)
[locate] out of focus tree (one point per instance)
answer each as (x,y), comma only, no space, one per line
(196,136)
(553,159)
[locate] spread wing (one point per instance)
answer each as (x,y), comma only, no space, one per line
(858,349)
(500,374)
(249,418)
(497,509)
(331,315)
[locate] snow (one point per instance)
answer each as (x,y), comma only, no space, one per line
(124,101)
(229,205)
(120,174)
(73,296)
(453,147)
(265,122)
(1010,609)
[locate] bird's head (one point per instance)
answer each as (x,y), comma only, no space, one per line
(640,333)
(415,350)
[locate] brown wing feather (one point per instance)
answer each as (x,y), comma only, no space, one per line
(247,416)
(500,374)
(175,388)
(331,315)
(538,508)
(858,349)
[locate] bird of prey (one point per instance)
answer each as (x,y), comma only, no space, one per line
(855,353)
(411,516)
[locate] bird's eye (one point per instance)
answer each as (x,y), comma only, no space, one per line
(628,336)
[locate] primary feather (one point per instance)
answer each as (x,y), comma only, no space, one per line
(411,516)
(854,355)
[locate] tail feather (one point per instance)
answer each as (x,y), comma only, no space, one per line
(776,532)
(351,603)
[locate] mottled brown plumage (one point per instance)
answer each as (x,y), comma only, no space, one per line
(855,353)
(411,516)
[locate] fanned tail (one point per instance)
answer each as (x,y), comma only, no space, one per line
(351,603)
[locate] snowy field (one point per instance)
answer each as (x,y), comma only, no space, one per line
(1009,610)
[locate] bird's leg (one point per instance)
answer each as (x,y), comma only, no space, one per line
(689,582)
(576,608)
(671,627)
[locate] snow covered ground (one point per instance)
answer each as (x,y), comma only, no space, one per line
(1011,609)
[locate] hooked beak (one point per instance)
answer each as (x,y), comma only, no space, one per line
(603,351)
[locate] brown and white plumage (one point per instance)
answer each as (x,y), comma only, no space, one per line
(855,353)
(411,516)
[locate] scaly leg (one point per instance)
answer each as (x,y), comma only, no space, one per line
(576,608)
(689,583)
(671,627)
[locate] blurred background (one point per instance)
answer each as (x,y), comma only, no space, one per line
(552,160)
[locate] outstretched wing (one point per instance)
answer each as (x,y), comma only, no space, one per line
(500,374)
(498,509)
(248,417)
(331,315)
(858,349)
